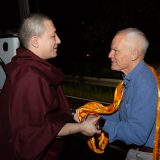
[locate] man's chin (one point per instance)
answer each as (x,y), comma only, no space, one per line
(54,55)
(114,68)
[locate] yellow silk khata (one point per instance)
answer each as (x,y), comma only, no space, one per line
(156,149)
(97,108)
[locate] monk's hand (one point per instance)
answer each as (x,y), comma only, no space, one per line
(88,127)
(91,116)
(76,117)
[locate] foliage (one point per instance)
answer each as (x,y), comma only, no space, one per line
(97,93)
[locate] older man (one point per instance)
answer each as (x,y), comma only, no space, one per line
(134,122)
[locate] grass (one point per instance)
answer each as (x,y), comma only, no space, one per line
(97,93)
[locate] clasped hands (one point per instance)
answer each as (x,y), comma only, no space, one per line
(90,124)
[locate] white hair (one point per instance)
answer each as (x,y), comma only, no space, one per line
(136,39)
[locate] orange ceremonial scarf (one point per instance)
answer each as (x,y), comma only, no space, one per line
(156,149)
(97,108)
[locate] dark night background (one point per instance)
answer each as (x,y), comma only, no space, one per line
(87,27)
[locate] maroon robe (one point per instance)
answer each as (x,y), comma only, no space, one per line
(33,109)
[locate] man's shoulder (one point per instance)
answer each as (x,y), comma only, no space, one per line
(24,72)
(146,77)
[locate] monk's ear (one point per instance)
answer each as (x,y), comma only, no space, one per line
(34,41)
(134,55)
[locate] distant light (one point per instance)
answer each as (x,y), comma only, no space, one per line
(82,22)
(88,55)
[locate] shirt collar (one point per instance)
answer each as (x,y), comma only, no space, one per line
(133,74)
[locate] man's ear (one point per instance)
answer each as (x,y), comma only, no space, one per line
(134,55)
(34,41)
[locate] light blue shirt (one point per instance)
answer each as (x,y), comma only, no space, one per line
(134,122)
